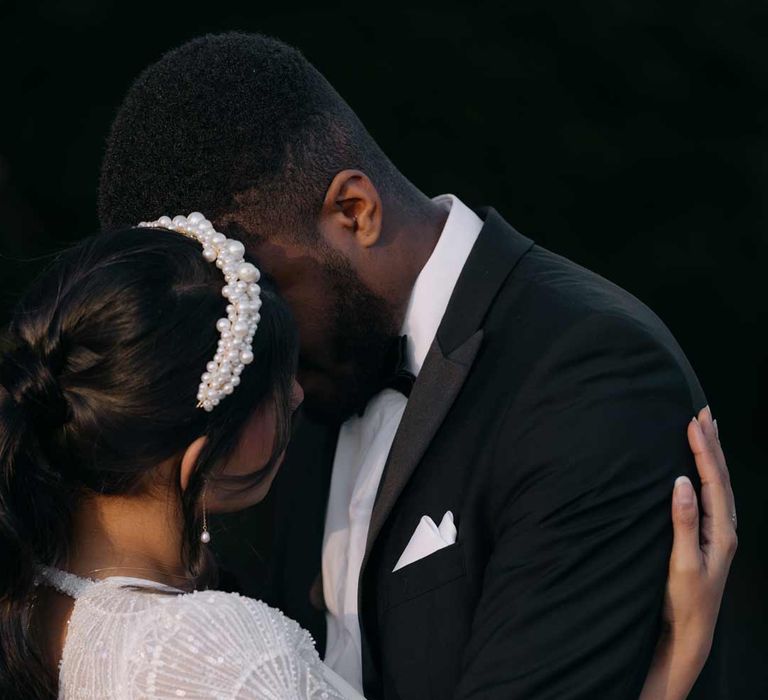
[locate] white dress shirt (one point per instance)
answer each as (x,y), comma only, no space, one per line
(364,443)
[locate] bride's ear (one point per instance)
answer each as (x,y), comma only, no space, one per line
(189,460)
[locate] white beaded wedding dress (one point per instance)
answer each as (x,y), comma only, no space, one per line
(136,639)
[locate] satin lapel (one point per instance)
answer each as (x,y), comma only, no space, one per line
(433,394)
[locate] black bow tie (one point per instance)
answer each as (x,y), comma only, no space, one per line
(396,374)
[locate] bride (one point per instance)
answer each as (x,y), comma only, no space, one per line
(145,387)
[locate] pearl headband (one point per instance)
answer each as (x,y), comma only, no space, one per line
(241,290)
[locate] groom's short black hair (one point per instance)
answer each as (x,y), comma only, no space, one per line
(233,122)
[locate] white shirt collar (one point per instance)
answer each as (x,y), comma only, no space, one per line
(437,279)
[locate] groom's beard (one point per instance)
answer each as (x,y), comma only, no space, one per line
(362,328)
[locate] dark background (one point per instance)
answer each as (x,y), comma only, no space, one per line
(629,136)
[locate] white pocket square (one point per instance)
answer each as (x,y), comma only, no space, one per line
(427,539)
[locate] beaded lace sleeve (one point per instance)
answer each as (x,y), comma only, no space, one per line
(221,645)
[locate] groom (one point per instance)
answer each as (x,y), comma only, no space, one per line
(480,507)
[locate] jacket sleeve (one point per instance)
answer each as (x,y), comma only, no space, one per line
(585,463)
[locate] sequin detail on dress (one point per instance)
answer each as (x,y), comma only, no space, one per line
(130,638)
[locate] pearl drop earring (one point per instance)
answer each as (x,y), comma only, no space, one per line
(205,536)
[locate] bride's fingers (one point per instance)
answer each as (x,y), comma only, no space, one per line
(718,527)
(686,552)
(710,430)
(711,483)
(709,426)
(712,433)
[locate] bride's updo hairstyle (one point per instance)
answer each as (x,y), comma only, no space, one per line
(98,386)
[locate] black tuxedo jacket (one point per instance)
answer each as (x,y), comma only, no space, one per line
(550,417)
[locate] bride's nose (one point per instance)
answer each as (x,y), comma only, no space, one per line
(297,395)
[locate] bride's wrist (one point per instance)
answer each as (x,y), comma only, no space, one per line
(677,663)
(691,646)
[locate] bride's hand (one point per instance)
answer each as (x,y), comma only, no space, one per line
(698,567)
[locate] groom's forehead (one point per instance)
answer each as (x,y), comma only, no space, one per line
(253,226)
(289,264)
(287,259)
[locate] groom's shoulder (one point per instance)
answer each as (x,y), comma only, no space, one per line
(551,288)
(564,296)
(550,303)
(571,291)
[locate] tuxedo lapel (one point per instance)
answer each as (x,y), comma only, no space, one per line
(439,382)
(498,249)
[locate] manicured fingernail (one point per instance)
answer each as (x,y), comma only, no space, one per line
(699,438)
(697,425)
(683,492)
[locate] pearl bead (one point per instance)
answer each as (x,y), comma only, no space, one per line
(236,248)
(247,272)
(195,217)
(246,357)
(222,325)
(205,537)
(209,254)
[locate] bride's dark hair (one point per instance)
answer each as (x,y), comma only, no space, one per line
(97,387)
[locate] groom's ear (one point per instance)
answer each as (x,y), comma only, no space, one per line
(351,216)
(189,460)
